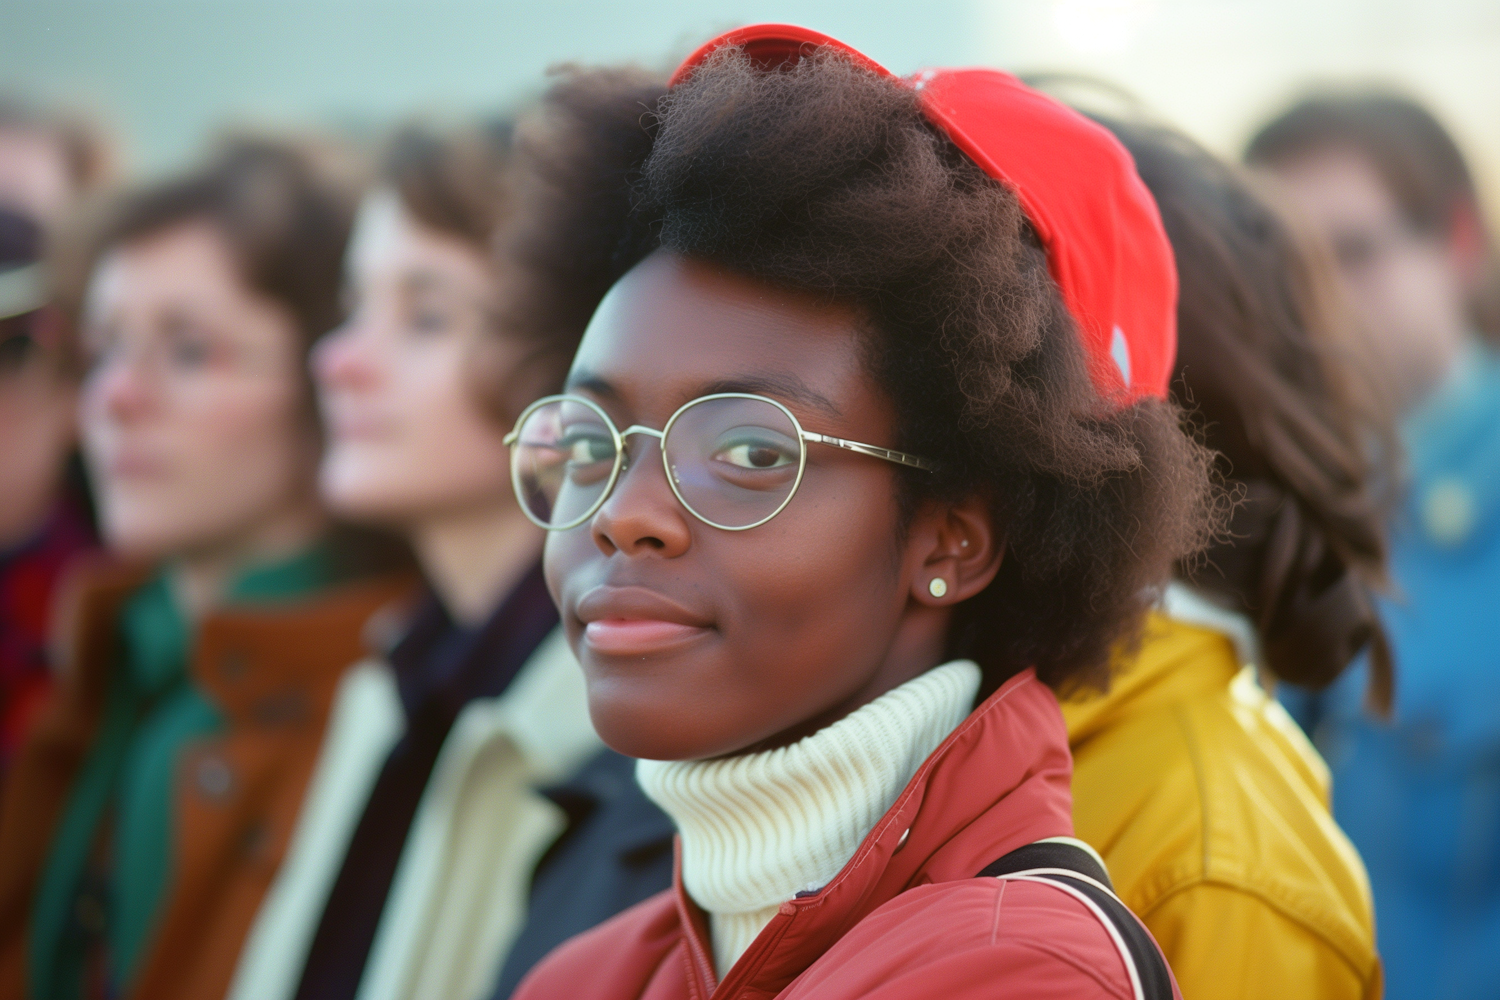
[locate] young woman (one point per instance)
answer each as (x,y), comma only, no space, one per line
(863,453)
(1379,177)
(1209,808)
(411,875)
(149,807)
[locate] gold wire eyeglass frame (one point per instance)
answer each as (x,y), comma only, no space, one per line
(619,436)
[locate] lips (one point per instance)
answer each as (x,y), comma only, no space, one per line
(633,621)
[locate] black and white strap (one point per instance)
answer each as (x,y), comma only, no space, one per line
(1073,867)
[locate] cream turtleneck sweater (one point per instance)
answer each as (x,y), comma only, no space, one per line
(759,828)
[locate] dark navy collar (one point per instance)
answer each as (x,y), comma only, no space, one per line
(606,784)
(441,665)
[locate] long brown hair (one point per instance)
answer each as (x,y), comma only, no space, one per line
(1416,158)
(1262,367)
(460,181)
(453,180)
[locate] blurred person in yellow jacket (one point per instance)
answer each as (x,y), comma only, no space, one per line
(1207,803)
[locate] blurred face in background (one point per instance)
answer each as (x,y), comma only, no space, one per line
(1406,286)
(408,439)
(193,414)
(35,178)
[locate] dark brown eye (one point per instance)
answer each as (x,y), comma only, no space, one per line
(755,454)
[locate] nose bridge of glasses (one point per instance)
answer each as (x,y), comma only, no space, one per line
(631,431)
(639,474)
(639,429)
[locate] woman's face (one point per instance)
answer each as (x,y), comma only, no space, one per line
(407,439)
(696,641)
(193,413)
(1407,288)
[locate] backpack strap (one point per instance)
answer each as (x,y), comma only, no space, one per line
(1073,867)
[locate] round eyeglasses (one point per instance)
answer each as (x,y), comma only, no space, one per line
(733,459)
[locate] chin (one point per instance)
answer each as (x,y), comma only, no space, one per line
(362,495)
(636,724)
(142,535)
(652,730)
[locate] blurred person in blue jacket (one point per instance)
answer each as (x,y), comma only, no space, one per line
(1418,793)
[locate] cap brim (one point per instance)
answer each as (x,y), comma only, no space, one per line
(772,46)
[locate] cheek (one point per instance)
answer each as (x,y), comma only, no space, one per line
(435,449)
(93,426)
(817,597)
(1410,300)
(216,462)
(1433,288)
(462,451)
(247,432)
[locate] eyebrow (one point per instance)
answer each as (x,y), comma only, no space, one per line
(786,388)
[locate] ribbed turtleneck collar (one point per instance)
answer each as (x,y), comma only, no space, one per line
(757,829)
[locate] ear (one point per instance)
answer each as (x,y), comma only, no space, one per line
(956,544)
(1466,239)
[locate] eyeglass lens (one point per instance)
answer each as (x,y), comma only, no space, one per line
(563,460)
(732,461)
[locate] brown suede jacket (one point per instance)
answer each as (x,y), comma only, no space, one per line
(272,671)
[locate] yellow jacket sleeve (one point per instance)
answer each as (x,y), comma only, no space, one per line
(1227,944)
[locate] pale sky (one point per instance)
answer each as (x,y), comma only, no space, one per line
(167,71)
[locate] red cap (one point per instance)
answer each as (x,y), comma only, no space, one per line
(1106,248)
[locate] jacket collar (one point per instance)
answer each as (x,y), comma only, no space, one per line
(87,613)
(999,781)
(545,712)
(277,663)
(606,785)
(441,666)
(257,663)
(1184,652)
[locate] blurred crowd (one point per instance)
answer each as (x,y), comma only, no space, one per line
(288,709)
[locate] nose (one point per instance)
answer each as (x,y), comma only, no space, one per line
(642,514)
(342,359)
(122,391)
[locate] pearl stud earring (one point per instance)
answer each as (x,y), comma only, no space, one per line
(938,587)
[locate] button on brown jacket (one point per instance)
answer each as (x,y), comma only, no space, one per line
(272,671)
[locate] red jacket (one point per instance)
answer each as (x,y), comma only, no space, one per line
(906,918)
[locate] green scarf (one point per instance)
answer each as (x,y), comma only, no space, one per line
(114,841)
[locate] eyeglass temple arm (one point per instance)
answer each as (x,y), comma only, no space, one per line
(874,451)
